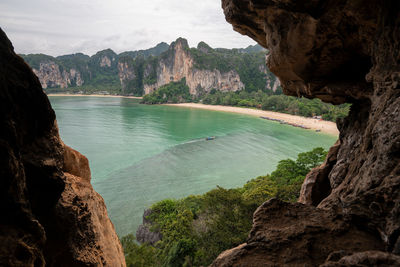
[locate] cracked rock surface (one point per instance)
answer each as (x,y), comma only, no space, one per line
(50,214)
(338,51)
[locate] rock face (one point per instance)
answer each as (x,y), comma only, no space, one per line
(179,64)
(106,61)
(143,233)
(338,51)
(125,74)
(272,84)
(51,76)
(50,213)
(367,258)
(142,72)
(295,234)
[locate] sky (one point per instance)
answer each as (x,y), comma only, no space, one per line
(58,27)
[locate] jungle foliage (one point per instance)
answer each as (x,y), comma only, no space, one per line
(196,229)
(174,92)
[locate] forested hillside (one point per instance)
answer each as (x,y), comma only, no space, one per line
(194,230)
(142,72)
(177,73)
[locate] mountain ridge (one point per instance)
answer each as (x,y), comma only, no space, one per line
(144,71)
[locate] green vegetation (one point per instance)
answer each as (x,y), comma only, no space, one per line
(97,78)
(34,60)
(197,228)
(279,103)
(106,75)
(154,51)
(174,92)
(247,65)
(140,68)
(138,255)
(134,86)
(210,60)
(248,68)
(150,77)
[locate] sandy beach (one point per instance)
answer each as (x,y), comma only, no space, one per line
(327,127)
(121,96)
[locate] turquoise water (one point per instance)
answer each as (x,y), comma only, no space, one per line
(140,154)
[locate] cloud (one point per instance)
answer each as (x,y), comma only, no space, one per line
(58,27)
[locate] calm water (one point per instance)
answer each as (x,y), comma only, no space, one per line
(140,154)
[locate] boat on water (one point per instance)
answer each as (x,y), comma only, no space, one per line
(208,138)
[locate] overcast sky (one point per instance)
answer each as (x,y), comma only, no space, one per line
(58,27)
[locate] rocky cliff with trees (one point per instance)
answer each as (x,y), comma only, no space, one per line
(192,231)
(142,72)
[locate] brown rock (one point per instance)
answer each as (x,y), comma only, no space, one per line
(75,163)
(316,185)
(48,217)
(366,258)
(50,75)
(338,51)
(317,49)
(179,64)
(83,224)
(286,234)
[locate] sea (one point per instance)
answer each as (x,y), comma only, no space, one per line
(140,154)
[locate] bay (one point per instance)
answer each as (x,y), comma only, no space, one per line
(140,154)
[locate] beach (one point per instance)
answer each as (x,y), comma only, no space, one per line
(327,127)
(97,95)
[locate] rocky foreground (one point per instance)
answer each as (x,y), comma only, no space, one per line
(349,210)
(50,214)
(349,215)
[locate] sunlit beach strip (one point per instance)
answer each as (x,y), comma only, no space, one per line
(327,127)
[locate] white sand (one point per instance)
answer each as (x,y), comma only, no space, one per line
(327,127)
(133,97)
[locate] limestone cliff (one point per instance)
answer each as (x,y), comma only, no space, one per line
(106,61)
(272,83)
(338,51)
(142,72)
(51,76)
(50,214)
(178,63)
(203,68)
(125,74)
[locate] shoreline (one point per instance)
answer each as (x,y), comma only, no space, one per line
(97,95)
(327,127)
